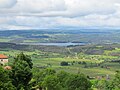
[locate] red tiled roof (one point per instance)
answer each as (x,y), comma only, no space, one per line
(3,56)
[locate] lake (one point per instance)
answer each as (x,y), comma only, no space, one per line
(55,44)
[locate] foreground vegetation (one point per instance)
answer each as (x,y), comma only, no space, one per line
(23,76)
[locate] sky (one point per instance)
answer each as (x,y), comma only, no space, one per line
(48,14)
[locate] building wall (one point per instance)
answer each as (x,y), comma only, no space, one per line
(3,61)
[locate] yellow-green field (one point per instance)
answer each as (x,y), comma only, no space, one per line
(4,40)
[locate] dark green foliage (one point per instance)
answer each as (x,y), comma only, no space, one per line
(79,62)
(63,63)
(78,82)
(51,83)
(21,72)
(22,57)
(84,63)
(40,75)
(48,79)
(49,72)
(37,79)
(62,77)
(5,81)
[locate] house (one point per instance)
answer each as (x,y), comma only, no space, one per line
(3,59)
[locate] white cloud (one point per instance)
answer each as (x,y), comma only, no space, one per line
(59,13)
(7,3)
(63,7)
(35,6)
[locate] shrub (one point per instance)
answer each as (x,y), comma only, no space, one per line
(63,63)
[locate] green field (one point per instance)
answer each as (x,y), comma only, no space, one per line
(96,65)
(4,40)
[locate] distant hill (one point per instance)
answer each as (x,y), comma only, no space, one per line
(91,36)
(97,49)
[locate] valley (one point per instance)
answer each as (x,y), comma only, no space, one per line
(94,56)
(92,60)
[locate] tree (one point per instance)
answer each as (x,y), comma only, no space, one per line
(21,72)
(23,57)
(51,83)
(63,63)
(62,77)
(78,82)
(39,75)
(116,81)
(102,84)
(48,71)
(5,81)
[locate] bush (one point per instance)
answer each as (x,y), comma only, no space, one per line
(64,63)
(78,82)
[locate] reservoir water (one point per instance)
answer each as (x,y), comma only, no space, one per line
(55,44)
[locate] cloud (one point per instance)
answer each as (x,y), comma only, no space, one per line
(7,3)
(59,13)
(70,8)
(29,7)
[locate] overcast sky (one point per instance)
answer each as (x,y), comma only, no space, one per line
(37,14)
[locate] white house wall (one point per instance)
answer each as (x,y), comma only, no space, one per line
(3,61)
